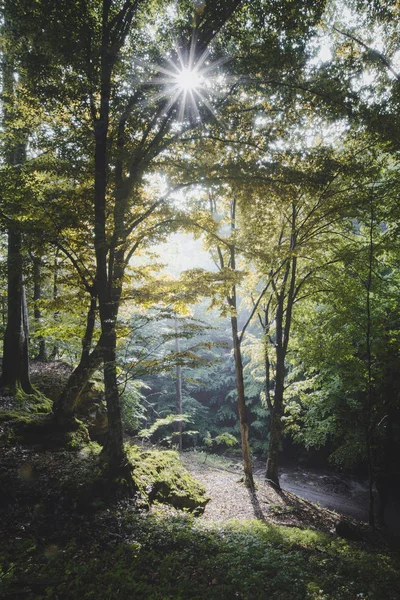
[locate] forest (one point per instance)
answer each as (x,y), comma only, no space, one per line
(200,285)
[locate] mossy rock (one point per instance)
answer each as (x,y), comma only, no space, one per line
(45,433)
(160,477)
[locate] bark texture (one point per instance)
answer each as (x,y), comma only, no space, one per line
(16,341)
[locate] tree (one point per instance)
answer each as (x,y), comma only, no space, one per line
(289,227)
(90,49)
(226,260)
(346,357)
(15,367)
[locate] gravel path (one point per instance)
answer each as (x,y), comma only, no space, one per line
(230,499)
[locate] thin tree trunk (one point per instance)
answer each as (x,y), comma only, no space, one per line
(37,296)
(54,351)
(275,434)
(231,300)
(242,409)
(178,387)
(369,434)
(283,321)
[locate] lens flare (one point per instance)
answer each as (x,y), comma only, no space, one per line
(188,80)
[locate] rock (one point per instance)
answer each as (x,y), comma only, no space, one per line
(161,477)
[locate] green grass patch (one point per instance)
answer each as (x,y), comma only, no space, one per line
(172,558)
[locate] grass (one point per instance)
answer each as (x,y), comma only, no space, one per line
(59,543)
(122,554)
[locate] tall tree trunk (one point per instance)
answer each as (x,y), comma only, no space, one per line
(369,425)
(231,300)
(285,298)
(275,429)
(114,447)
(178,387)
(16,341)
(54,352)
(242,409)
(15,372)
(108,285)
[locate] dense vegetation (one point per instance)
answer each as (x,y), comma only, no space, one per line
(199,248)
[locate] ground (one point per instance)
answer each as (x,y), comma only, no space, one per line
(230,499)
(60,542)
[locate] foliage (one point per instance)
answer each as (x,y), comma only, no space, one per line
(331,400)
(133,412)
(168,420)
(174,557)
(223,439)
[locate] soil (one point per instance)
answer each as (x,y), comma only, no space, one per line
(309,498)
(230,499)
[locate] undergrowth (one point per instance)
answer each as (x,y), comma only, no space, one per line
(121,554)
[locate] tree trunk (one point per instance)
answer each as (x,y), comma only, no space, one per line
(66,405)
(275,429)
(54,352)
(37,296)
(16,343)
(114,447)
(369,426)
(108,286)
(178,387)
(15,372)
(242,409)
(285,297)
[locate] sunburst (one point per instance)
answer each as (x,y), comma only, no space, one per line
(187,83)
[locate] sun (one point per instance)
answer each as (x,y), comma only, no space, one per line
(188,80)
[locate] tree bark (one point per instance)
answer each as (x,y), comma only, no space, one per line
(15,373)
(106,285)
(369,425)
(242,409)
(178,387)
(114,447)
(37,296)
(54,352)
(275,429)
(285,297)
(16,342)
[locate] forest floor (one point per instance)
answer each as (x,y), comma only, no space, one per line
(269,545)
(230,499)
(57,542)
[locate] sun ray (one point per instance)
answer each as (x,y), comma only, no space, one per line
(185,83)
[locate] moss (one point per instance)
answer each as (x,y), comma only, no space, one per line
(44,432)
(14,415)
(35,403)
(160,477)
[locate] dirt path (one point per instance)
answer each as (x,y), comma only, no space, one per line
(230,499)
(344,495)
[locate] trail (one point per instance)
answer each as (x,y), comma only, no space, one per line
(342,494)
